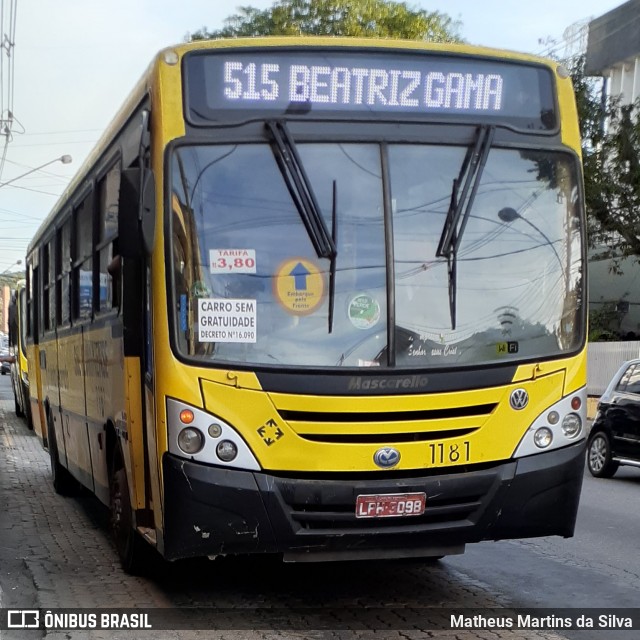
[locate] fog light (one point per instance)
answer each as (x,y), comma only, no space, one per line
(215,430)
(227,451)
(190,440)
(553,417)
(543,437)
(571,425)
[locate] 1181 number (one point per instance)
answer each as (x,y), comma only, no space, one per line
(441,453)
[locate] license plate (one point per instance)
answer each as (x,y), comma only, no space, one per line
(390,505)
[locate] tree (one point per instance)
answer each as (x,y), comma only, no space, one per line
(611,158)
(356,18)
(613,188)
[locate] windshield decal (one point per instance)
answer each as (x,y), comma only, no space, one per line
(364,311)
(299,286)
(232,260)
(227,320)
(507,347)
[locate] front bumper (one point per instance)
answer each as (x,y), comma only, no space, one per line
(211,511)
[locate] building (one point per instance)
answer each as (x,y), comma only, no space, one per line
(613,52)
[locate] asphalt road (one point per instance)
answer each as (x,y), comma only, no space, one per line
(598,568)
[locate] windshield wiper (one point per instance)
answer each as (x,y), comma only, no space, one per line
(332,268)
(460,208)
(297,181)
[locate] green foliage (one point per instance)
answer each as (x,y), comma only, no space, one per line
(355,18)
(613,188)
(604,323)
(611,158)
(11,279)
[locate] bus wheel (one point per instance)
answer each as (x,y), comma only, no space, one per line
(135,554)
(63,482)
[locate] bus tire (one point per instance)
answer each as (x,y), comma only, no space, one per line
(135,554)
(63,482)
(27,406)
(19,411)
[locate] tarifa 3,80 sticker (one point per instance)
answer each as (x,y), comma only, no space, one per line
(232,260)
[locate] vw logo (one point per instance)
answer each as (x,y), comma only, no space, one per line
(519,399)
(386,457)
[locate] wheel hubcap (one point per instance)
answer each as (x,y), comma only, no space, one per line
(597,454)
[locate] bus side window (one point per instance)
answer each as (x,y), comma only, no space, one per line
(106,249)
(82,258)
(48,285)
(32,298)
(63,270)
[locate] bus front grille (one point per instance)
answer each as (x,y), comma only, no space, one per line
(379,438)
(380,427)
(388,416)
(329,506)
(345,519)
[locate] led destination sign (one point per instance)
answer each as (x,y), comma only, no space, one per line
(370,87)
(223,86)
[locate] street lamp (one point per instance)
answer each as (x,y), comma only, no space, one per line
(509,214)
(65,159)
(17,263)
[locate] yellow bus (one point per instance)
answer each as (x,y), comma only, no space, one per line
(322,298)
(17,349)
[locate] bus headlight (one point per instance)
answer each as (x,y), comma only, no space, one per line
(203,437)
(559,425)
(571,425)
(190,440)
(227,451)
(543,437)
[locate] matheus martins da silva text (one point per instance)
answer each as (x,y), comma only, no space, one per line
(520,621)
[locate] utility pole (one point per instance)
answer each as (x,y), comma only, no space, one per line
(7,64)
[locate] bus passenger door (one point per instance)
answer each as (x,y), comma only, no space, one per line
(33,351)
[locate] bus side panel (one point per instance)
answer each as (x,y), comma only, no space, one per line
(104,377)
(22,385)
(154,457)
(35,393)
(133,425)
(73,408)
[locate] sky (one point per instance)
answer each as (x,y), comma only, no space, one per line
(75,61)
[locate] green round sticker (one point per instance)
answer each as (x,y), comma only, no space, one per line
(364,311)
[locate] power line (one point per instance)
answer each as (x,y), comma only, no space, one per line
(62,132)
(46,193)
(49,144)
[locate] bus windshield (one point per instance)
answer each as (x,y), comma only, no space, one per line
(249,287)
